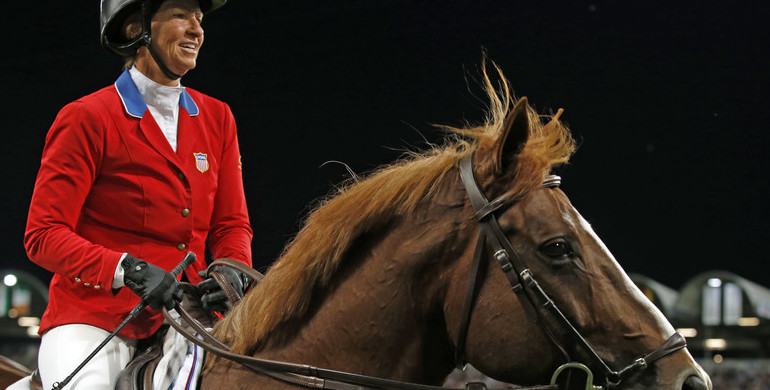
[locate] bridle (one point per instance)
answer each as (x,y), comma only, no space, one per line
(523,283)
(532,296)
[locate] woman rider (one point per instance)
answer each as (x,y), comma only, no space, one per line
(133,177)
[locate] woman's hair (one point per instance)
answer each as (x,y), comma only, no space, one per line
(131,28)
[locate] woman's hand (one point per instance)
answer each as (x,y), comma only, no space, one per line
(156,287)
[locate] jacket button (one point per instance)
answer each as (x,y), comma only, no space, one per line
(97,287)
(181,246)
(77,280)
(87,284)
(185,212)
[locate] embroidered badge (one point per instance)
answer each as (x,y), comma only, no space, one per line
(201,162)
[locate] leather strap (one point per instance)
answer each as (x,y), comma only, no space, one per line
(233,296)
(480,204)
(470,298)
(249,271)
(304,375)
(673,344)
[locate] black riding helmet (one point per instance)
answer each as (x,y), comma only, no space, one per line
(115,12)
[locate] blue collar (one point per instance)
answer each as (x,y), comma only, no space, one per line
(134,103)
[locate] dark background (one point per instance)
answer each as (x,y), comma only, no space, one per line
(670,104)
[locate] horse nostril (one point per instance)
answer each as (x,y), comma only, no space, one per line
(694,383)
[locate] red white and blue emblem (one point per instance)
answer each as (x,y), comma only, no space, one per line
(201,162)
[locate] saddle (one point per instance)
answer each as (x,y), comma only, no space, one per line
(138,374)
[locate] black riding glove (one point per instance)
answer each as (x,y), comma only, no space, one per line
(155,286)
(213,298)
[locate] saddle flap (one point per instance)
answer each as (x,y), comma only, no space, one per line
(137,373)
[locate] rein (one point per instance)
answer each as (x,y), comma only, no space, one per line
(528,290)
(297,374)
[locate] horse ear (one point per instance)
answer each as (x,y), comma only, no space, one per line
(515,133)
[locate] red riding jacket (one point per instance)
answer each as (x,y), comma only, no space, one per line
(110,183)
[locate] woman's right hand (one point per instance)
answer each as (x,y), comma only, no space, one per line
(156,287)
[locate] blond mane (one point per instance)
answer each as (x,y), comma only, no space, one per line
(312,257)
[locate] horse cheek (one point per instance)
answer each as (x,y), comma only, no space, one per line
(501,336)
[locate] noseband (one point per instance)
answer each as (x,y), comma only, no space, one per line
(533,298)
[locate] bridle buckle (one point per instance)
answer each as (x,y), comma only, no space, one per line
(502,258)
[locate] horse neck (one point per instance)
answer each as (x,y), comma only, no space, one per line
(381,314)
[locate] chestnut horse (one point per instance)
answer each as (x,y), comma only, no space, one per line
(377,281)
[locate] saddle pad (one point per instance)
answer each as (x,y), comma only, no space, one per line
(189,374)
(180,367)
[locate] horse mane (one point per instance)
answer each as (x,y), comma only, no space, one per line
(310,260)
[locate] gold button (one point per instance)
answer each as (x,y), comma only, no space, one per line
(185,212)
(77,280)
(87,284)
(181,247)
(97,287)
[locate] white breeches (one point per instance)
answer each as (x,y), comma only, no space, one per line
(63,348)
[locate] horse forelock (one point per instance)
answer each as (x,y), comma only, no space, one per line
(312,257)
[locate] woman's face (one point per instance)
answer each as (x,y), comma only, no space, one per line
(177,36)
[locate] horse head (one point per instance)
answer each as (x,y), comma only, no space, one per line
(504,332)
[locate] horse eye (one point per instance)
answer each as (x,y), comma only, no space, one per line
(557,249)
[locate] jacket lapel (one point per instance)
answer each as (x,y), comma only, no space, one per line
(157,139)
(136,107)
(187,133)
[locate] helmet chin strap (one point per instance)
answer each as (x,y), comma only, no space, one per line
(166,71)
(147,38)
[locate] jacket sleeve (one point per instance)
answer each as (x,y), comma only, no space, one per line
(230,234)
(69,165)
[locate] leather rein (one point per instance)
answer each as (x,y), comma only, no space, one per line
(533,297)
(296,374)
(518,275)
